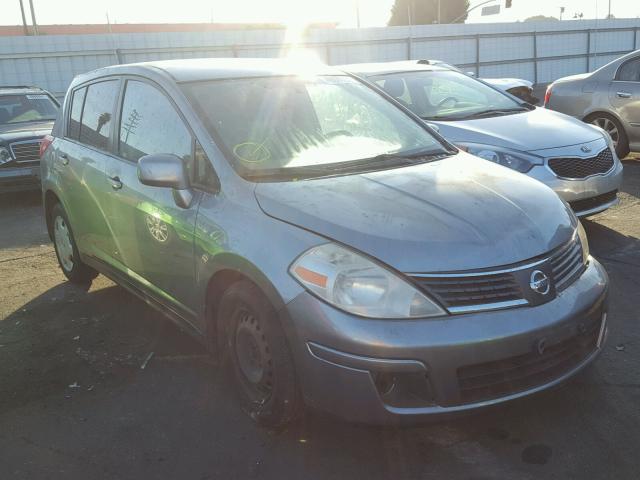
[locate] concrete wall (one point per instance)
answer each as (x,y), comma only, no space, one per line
(492,50)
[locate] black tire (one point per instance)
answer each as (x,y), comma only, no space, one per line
(78,273)
(257,353)
(604,120)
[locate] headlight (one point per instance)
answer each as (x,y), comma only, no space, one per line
(355,284)
(514,160)
(5,156)
(582,235)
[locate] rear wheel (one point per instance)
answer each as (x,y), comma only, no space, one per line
(67,251)
(612,126)
(259,356)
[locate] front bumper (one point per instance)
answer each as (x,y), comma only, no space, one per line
(387,371)
(589,195)
(14,179)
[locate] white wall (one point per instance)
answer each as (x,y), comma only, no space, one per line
(505,49)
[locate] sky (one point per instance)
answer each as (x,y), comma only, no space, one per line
(373,13)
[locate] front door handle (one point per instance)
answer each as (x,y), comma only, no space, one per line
(623,94)
(64,159)
(116,183)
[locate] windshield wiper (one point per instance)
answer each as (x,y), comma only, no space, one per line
(364,165)
(397,158)
(493,112)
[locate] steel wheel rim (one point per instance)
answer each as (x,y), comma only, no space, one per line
(62,237)
(253,357)
(609,127)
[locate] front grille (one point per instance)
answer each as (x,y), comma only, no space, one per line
(490,380)
(476,290)
(593,202)
(26,152)
(508,287)
(567,265)
(582,167)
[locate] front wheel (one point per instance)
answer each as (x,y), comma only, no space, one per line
(67,251)
(259,356)
(615,130)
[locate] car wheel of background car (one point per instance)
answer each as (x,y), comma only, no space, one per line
(613,127)
(66,251)
(258,353)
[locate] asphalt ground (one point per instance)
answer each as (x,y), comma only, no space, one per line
(76,402)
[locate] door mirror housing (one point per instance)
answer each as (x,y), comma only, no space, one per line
(168,171)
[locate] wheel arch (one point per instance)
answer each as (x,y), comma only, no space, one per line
(50,200)
(604,112)
(231,269)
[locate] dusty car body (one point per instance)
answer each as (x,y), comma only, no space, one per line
(344,257)
(574,159)
(608,97)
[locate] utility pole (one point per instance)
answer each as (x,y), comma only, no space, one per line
(24,19)
(609,14)
(33,18)
(439,9)
(358,13)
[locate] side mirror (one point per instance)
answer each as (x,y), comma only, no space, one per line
(168,171)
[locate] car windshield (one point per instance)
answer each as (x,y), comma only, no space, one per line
(27,108)
(445,95)
(297,126)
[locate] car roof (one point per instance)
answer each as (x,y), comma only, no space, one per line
(201,69)
(380,68)
(19,90)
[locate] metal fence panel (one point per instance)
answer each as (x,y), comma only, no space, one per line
(537,51)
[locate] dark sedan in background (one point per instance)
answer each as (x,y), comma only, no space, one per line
(26,116)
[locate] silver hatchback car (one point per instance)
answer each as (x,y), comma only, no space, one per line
(325,243)
(576,160)
(608,98)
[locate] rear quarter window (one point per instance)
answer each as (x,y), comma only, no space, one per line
(75,116)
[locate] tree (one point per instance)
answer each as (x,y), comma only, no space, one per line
(540,18)
(425,12)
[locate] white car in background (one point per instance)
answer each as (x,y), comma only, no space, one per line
(578,161)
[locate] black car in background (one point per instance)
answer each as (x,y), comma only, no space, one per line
(26,117)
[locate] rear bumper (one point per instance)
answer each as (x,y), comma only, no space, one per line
(390,371)
(19,179)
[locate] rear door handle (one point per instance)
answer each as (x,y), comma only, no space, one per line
(623,94)
(116,183)
(64,159)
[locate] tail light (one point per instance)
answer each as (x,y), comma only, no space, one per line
(547,96)
(44,144)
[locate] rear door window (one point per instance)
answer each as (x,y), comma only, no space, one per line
(95,127)
(630,71)
(76,113)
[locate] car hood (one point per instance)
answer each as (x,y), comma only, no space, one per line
(527,131)
(22,131)
(460,213)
